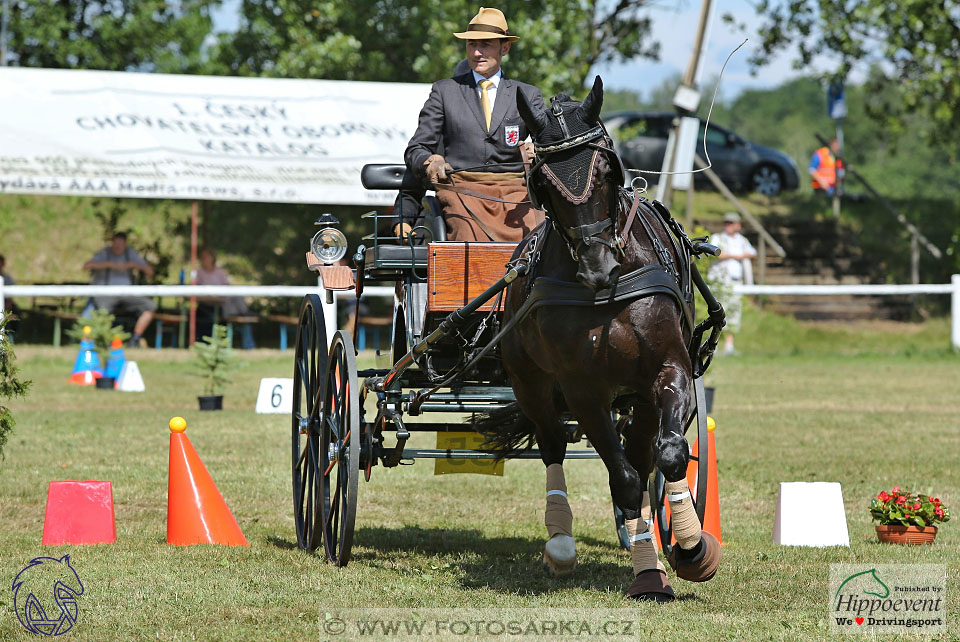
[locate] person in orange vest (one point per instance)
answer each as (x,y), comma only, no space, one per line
(826,170)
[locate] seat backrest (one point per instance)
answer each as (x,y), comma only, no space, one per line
(385,176)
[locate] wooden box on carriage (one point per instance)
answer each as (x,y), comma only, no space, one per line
(459,272)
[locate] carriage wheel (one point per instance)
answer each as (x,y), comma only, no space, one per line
(657,487)
(340,449)
(310,364)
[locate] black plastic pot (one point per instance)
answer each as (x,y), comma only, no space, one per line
(105,383)
(213,402)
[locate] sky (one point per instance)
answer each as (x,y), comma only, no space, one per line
(674,25)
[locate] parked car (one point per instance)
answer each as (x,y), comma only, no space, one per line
(743,166)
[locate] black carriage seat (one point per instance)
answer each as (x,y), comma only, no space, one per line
(385,176)
(397,177)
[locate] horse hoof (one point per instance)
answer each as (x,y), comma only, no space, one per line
(703,565)
(651,585)
(560,555)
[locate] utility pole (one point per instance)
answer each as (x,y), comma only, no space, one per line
(690,81)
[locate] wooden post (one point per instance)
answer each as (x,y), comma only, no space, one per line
(194,215)
(762,262)
(914,258)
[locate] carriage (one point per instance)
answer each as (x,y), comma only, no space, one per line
(448,322)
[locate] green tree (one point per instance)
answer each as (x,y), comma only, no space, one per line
(916,42)
(411,40)
(123,35)
(10,386)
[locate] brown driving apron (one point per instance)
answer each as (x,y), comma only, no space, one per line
(505,221)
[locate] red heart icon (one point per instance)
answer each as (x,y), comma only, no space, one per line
(859,620)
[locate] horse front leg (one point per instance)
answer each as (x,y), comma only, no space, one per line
(627,488)
(697,556)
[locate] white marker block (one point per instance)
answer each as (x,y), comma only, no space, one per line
(130,379)
(275,397)
(810,514)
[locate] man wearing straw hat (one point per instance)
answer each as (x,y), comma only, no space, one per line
(473,118)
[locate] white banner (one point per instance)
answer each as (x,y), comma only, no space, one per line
(99,133)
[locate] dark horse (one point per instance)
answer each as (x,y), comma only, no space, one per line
(605,352)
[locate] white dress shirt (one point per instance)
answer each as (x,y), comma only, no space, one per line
(492,90)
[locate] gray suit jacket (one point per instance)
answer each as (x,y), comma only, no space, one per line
(451,123)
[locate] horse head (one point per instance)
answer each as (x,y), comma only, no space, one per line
(574,180)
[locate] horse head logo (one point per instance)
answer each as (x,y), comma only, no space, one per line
(45,595)
(866,582)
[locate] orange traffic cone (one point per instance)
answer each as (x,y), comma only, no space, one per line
(196,512)
(711,520)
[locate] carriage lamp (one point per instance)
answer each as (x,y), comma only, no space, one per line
(329,245)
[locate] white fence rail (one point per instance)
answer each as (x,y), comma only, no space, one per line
(952,288)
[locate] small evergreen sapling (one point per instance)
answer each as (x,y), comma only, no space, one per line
(213,355)
(10,386)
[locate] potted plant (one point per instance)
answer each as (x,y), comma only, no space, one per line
(102,332)
(907,518)
(213,355)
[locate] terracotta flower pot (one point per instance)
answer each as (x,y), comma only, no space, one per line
(897,534)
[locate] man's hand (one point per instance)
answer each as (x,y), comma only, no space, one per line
(437,168)
(402,230)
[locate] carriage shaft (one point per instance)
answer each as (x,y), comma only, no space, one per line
(454,320)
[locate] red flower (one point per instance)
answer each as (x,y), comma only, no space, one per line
(935,500)
(901,500)
(883,496)
(938,512)
(916,506)
(895,490)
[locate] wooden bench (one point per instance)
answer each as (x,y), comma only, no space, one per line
(160,318)
(371,323)
(284,321)
(240,320)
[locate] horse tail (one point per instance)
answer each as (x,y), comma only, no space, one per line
(507,431)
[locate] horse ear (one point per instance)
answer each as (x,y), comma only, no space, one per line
(536,122)
(590,109)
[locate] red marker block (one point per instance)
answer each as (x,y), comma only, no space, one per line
(79,512)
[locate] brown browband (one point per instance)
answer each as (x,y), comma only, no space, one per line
(489,28)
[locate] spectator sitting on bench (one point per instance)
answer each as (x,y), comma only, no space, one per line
(233,306)
(114,265)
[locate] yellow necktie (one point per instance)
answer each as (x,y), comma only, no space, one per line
(485,100)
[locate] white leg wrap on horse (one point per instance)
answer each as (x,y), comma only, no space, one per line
(646,514)
(643,546)
(558,516)
(686,525)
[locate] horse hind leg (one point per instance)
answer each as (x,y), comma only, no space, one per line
(537,401)
(697,556)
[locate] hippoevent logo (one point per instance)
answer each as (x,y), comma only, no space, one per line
(45,596)
(887,598)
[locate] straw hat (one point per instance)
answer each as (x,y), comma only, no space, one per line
(487,24)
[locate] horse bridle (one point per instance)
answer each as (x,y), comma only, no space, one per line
(598,139)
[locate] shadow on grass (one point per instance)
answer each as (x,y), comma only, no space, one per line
(504,564)
(282,543)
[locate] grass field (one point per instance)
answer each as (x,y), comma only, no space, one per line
(869,407)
